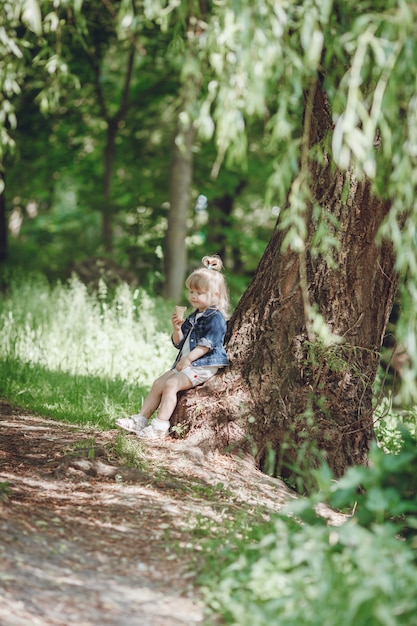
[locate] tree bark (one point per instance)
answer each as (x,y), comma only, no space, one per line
(180,180)
(181,171)
(3,220)
(112,128)
(220,221)
(285,400)
(107,209)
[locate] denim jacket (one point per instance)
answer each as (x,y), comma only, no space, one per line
(209,330)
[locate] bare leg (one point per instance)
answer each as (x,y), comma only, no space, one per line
(163,394)
(153,399)
(172,385)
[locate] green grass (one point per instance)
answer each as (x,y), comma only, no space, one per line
(80,357)
(85,400)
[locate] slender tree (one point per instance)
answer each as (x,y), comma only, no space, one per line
(3,219)
(181,169)
(180,185)
(110,50)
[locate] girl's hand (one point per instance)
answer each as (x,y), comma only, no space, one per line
(176,322)
(183,363)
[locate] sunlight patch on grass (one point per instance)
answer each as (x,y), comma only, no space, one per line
(80,357)
(64,328)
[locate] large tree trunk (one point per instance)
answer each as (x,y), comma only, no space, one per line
(283,398)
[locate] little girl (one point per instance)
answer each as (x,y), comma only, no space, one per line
(199,340)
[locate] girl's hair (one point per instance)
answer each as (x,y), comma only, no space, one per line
(210,278)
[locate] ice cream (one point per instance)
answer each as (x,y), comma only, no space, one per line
(180,310)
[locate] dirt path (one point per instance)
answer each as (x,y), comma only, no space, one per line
(86,541)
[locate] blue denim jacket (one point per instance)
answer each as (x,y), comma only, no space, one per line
(209,330)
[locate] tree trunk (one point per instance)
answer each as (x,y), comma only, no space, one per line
(283,399)
(107,211)
(113,125)
(180,180)
(3,219)
(220,220)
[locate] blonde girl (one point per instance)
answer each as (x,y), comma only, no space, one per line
(199,340)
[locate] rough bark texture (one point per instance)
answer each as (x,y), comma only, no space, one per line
(283,398)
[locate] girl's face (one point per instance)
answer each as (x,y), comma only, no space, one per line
(200,300)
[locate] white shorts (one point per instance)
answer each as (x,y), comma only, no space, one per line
(198,375)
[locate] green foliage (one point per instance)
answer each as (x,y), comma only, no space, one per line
(318,576)
(53,241)
(359,572)
(256,62)
(384,491)
(65,328)
(14,42)
(5,492)
(389,424)
(27,49)
(58,163)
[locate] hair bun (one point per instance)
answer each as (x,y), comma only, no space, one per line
(213,262)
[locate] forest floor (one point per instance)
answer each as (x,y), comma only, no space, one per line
(87,540)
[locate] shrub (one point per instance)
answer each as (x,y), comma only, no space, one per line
(319,576)
(362,572)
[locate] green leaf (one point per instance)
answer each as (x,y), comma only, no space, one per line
(32,16)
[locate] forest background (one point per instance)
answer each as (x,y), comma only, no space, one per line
(88,166)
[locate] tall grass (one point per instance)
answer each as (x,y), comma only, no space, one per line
(80,356)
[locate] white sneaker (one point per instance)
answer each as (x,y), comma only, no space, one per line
(134,424)
(150,432)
